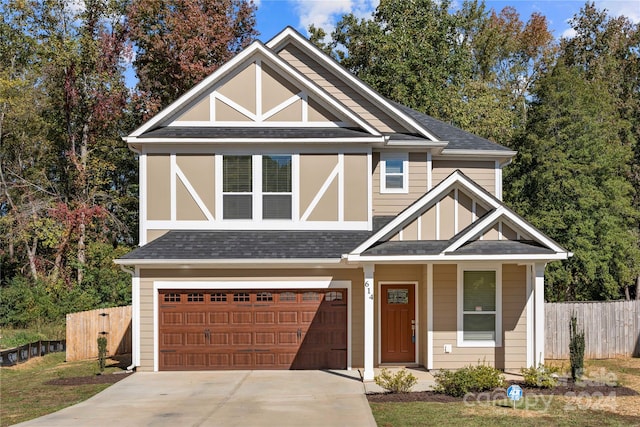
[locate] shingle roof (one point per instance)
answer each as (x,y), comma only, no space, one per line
(179,132)
(422,247)
(458,139)
(200,245)
(502,247)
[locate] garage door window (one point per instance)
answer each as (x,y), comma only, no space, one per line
(287,297)
(241,297)
(333,296)
(171,297)
(264,296)
(195,297)
(218,297)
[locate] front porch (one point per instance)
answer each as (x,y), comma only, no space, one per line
(440,332)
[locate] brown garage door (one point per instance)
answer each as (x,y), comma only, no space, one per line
(240,329)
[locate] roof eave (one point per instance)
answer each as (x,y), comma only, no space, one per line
(172,141)
(519,258)
(182,263)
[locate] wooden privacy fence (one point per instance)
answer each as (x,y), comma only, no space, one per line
(611,328)
(84,329)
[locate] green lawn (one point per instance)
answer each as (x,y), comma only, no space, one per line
(24,394)
(531,411)
(10,338)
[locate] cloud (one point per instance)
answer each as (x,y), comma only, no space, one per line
(569,33)
(630,9)
(326,13)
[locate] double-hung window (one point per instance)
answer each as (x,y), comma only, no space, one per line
(479,300)
(276,187)
(394,172)
(256,187)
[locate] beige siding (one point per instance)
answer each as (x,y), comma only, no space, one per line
(199,112)
(186,206)
(447,217)
(393,203)
(356,206)
(291,113)
(317,113)
(514,316)
(225,113)
(428,224)
(483,173)
(154,234)
(327,207)
(324,78)
(512,355)
(280,277)
(158,185)
(199,171)
(241,89)
(314,171)
(275,89)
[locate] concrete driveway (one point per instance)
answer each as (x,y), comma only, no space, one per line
(238,398)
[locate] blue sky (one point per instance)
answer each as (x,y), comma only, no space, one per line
(274,15)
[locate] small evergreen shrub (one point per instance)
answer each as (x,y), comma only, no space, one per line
(102,353)
(470,379)
(400,382)
(541,377)
(576,348)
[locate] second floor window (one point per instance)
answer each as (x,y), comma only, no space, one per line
(256,186)
(394,172)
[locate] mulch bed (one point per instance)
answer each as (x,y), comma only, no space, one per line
(566,389)
(92,379)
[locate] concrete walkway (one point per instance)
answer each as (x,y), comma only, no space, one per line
(238,398)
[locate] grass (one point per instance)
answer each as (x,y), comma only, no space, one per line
(533,410)
(24,394)
(10,337)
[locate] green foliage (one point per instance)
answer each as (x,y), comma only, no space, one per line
(576,349)
(541,376)
(399,382)
(102,353)
(470,379)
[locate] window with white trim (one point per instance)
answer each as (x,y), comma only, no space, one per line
(263,182)
(394,172)
(479,300)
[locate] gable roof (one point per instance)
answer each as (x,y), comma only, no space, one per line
(254,49)
(462,244)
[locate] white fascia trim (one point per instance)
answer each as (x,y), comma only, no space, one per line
(399,259)
(173,141)
(479,227)
(225,261)
(356,83)
(199,123)
(200,87)
(305,284)
(439,190)
(478,153)
(281,148)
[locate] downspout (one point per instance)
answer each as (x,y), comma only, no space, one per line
(133,304)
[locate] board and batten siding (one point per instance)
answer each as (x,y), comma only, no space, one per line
(512,354)
(281,278)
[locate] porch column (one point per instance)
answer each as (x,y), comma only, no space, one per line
(368,321)
(538,293)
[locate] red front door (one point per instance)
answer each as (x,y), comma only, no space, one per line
(398,323)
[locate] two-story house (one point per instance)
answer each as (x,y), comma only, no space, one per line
(293,218)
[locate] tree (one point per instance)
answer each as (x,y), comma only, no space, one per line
(570,180)
(180,42)
(468,67)
(608,51)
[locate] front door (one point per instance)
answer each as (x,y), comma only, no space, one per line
(398,324)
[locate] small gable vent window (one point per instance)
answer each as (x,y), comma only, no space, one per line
(257,187)
(394,172)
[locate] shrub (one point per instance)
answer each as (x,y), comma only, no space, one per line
(542,376)
(470,379)
(102,353)
(400,382)
(576,348)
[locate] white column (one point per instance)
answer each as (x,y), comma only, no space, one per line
(429,316)
(539,312)
(368,321)
(530,316)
